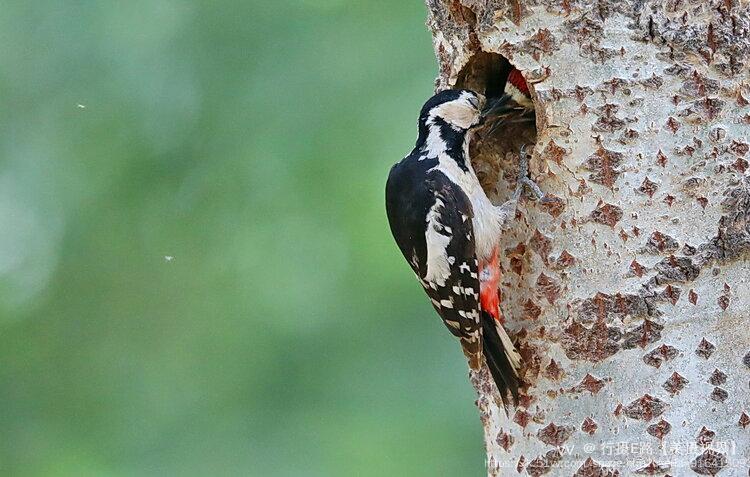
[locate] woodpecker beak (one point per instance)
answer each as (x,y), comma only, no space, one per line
(496,107)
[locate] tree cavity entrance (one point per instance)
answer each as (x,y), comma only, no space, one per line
(495,155)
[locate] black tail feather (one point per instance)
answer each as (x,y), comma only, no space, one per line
(502,371)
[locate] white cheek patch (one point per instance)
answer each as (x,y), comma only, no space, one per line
(458,113)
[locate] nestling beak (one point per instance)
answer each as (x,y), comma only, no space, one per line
(496,107)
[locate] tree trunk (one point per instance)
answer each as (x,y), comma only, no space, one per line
(627,292)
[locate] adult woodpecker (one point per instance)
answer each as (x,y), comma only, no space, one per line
(448,230)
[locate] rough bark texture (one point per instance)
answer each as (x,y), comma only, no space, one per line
(627,294)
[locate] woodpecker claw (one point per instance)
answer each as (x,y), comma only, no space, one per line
(523,177)
(540,76)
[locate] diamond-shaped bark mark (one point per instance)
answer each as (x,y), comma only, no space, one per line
(521,464)
(717,378)
(739,148)
(719,394)
(669,200)
(693,297)
(660,429)
(603,306)
(661,243)
(522,417)
(582,190)
(709,463)
(608,120)
(591,468)
(740,165)
(541,245)
(653,469)
(554,435)
(705,437)
(676,269)
(702,201)
(648,187)
(746,360)
(659,355)
(744,420)
(565,260)
(589,426)
(675,383)
(552,205)
(636,269)
(645,408)
(591,344)
(717,134)
(515,255)
(588,383)
(672,294)
(741,101)
(553,371)
(710,107)
(542,464)
(723,302)
(548,287)
(606,214)
(531,311)
(672,124)
(504,440)
(686,150)
(641,336)
(531,356)
(542,42)
(605,167)
(553,152)
(661,159)
(524,400)
(516,264)
(624,235)
(705,349)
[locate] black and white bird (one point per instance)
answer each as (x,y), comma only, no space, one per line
(448,230)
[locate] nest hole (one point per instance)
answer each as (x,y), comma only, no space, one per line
(495,155)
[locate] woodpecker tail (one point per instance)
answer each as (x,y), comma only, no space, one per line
(502,358)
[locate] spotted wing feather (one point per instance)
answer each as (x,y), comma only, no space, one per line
(431,221)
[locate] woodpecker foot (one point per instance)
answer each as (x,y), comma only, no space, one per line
(538,75)
(523,177)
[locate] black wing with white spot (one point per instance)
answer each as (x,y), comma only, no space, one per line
(431,220)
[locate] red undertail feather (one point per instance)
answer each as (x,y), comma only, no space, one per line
(489,293)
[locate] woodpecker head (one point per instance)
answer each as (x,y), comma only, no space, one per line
(447,116)
(459,108)
(514,106)
(518,90)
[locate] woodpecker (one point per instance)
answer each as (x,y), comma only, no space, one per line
(518,90)
(448,230)
(513,111)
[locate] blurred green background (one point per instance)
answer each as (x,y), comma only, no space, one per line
(196,273)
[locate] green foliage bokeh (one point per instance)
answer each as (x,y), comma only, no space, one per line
(196,273)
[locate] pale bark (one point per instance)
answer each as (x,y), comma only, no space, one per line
(628,295)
